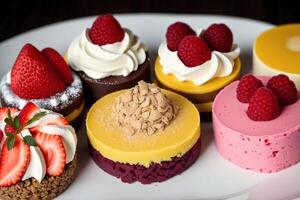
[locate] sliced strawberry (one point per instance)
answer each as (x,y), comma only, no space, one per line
(59,64)
(1,135)
(9,129)
(4,112)
(14,162)
(32,76)
(55,121)
(53,151)
(58,121)
(28,111)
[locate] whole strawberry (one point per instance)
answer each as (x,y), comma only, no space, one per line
(106,30)
(32,76)
(284,89)
(218,37)
(176,32)
(263,105)
(246,87)
(62,68)
(193,51)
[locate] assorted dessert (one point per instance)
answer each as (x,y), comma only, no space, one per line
(44,78)
(107,58)
(267,137)
(197,64)
(144,133)
(136,130)
(38,153)
(277,50)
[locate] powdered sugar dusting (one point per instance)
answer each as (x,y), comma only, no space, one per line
(61,100)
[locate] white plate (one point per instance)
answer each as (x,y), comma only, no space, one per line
(211,177)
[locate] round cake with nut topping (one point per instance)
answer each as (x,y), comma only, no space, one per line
(144,134)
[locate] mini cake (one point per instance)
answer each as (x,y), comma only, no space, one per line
(107,58)
(144,134)
(198,65)
(38,153)
(276,51)
(44,78)
(256,123)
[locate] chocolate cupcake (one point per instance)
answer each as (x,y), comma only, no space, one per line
(107,58)
(38,153)
(144,134)
(43,77)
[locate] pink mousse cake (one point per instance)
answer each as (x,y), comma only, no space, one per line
(262,146)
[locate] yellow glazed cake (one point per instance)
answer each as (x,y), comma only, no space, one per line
(277,51)
(197,64)
(139,156)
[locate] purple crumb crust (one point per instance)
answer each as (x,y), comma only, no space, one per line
(154,173)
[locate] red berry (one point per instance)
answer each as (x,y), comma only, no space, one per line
(1,135)
(4,112)
(32,76)
(176,32)
(284,89)
(9,129)
(59,64)
(218,37)
(27,113)
(193,51)
(106,30)
(263,105)
(56,121)
(246,87)
(53,151)
(13,162)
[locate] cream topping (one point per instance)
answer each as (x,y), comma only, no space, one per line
(37,166)
(220,65)
(117,59)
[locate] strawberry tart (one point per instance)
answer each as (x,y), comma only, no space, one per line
(277,50)
(197,64)
(44,78)
(107,58)
(38,153)
(266,138)
(144,134)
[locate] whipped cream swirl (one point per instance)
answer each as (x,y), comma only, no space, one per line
(37,164)
(117,59)
(220,65)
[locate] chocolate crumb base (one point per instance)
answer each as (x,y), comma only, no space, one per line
(154,173)
(97,88)
(49,188)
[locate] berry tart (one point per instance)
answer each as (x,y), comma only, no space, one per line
(267,136)
(197,64)
(277,51)
(38,153)
(144,134)
(44,78)
(107,58)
